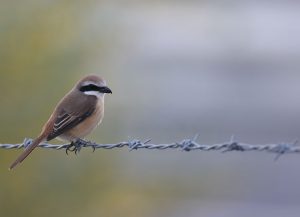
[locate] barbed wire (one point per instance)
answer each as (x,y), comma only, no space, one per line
(184,145)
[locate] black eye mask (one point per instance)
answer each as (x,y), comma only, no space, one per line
(92,87)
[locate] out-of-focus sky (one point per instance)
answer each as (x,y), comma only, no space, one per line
(176,68)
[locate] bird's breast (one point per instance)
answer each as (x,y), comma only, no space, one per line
(87,126)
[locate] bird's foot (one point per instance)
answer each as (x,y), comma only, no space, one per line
(75,146)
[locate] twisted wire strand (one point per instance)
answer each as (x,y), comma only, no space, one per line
(184,145)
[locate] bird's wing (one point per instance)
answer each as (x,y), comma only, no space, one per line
(66,120)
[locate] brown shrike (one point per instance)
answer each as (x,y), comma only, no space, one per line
(75,116)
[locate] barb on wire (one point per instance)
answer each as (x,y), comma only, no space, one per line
(184,145)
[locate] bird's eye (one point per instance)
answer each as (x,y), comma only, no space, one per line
(90,87)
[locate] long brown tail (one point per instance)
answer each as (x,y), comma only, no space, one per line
(27,151)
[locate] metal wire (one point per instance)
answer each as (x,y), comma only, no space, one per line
(184,145)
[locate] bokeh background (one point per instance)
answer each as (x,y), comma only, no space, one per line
(176,68)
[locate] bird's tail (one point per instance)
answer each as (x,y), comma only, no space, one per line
(27,151)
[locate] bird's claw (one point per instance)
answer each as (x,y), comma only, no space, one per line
(93,147)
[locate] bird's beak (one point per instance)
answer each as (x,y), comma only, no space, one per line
(105,90)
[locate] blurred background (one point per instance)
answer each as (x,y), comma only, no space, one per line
(176,68)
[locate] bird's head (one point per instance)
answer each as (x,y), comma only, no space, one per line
(93,85)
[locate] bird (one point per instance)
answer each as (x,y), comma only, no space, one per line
(76,115)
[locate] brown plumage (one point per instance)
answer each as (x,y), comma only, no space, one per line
(75,116)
